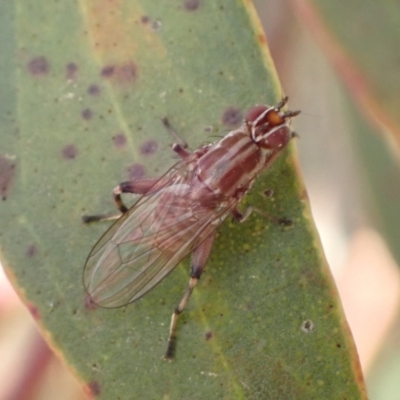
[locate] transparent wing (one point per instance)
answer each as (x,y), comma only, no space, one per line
(148,241)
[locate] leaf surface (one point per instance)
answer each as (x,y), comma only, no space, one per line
(84,86)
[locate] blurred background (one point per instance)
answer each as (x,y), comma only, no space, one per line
(338,64)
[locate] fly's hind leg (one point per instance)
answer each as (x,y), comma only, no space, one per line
(241,217)
(139,186)
(199,258)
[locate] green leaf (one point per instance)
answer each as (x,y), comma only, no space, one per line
(84,87)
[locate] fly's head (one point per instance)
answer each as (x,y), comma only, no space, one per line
(269,126)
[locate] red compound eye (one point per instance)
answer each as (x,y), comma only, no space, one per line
(255,112)
(261,115)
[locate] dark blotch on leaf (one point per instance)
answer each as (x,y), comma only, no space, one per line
(149,147)
(34,311)
(94,388)
(87,114)
(145,19)
(268,193)
(127,73)
(71,70)
(136,171)
(208,335)
(119,140)
(191,5)
(69,152)
(121,74)
(232,117)
(38,66)
(107,71)
(94,90)
(7,173)
(89,303)
(31,251)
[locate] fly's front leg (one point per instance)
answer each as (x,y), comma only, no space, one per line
(199,259)
(140,186)
(181,147)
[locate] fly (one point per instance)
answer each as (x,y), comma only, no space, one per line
(178,213)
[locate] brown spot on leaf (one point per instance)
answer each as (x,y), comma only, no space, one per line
(39,66)
(31,251)
(87,114)
(119,140)
(34,311)
(232,117)
(268,193)
(191,5)
(262,39)
(69,152)
(145,19)
(7,173)
(120,74)
(71,70)
(136,171)
(93,389)
(149,147)
(107,71)
(208,335)
(94,90)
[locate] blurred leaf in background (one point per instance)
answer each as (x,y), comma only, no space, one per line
(340,61)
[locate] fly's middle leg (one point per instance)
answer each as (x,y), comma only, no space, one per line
(139,186)
(199,258)
(241,217)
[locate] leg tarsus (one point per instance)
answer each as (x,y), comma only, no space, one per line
(170,353)
(199,259)
(87,219)
(241,217)
(287,222)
